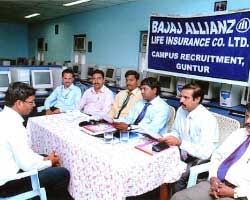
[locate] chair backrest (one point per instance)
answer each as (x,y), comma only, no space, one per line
(35,191)
(226,126)
(171,118)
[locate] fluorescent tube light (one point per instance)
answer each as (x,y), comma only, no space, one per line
(32,15)
(75,2)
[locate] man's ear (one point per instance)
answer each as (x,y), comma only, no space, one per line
(197,99)
(155,91)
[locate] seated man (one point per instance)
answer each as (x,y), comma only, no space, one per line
(125,99)
(195,131)
(150,114)
(65,97)
(229,170)
(97,100)
(17,156)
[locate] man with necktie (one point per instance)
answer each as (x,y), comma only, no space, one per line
(195,131)
(229,170)
(126,99)
(150,114)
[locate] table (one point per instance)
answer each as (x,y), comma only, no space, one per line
(98,170)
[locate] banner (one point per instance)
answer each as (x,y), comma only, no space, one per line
(208,46)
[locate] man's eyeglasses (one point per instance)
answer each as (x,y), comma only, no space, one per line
(30,102)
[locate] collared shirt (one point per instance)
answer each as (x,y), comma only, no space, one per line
(155,119)
(202,135)
(96,103)
(238,174)
(120,98)
(64,98)
(15,152)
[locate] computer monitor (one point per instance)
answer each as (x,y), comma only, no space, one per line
(179,85)
(167,83)
(5,80)
(110,74)
(19,74)
(245,96)
(90,71)
(211,90)
(41,80)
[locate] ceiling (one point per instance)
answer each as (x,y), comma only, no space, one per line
(15,10)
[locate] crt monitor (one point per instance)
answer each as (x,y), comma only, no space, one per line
(167,83)
(90,71)
(41,80)
(179,85)
(5,80)
(110,74)
(211,90)
(245,96)
(20,74)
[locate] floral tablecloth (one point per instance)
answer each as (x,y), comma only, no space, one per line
(102,171)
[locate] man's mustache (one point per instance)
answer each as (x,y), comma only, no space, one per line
(247,125)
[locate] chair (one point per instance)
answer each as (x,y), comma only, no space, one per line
(171,118)
(36,189)
(226,126)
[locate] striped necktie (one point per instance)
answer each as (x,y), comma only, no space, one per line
(142,114)
(124,104)
(233,158)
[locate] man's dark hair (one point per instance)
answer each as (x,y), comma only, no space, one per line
(152,83)
(197,90)
(134,73)
(18,91)
(68,71)
(98,71)
(248,107)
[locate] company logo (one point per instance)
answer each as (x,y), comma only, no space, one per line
(243,25)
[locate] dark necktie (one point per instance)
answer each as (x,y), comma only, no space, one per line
(124,104)
(142,114)
(230,160)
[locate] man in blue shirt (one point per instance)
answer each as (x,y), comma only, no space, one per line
(64,97)
(150,114)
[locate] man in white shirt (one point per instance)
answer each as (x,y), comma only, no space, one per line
(229,170)
(195,131)
(97,100)
(126,99)
(15,152)
(65,97)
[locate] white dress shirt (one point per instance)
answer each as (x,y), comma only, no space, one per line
(198,131)
(239,173)
(15,153)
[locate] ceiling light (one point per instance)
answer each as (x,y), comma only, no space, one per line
(75,2)
(32,15)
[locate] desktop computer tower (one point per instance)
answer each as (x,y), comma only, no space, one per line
(230,95)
